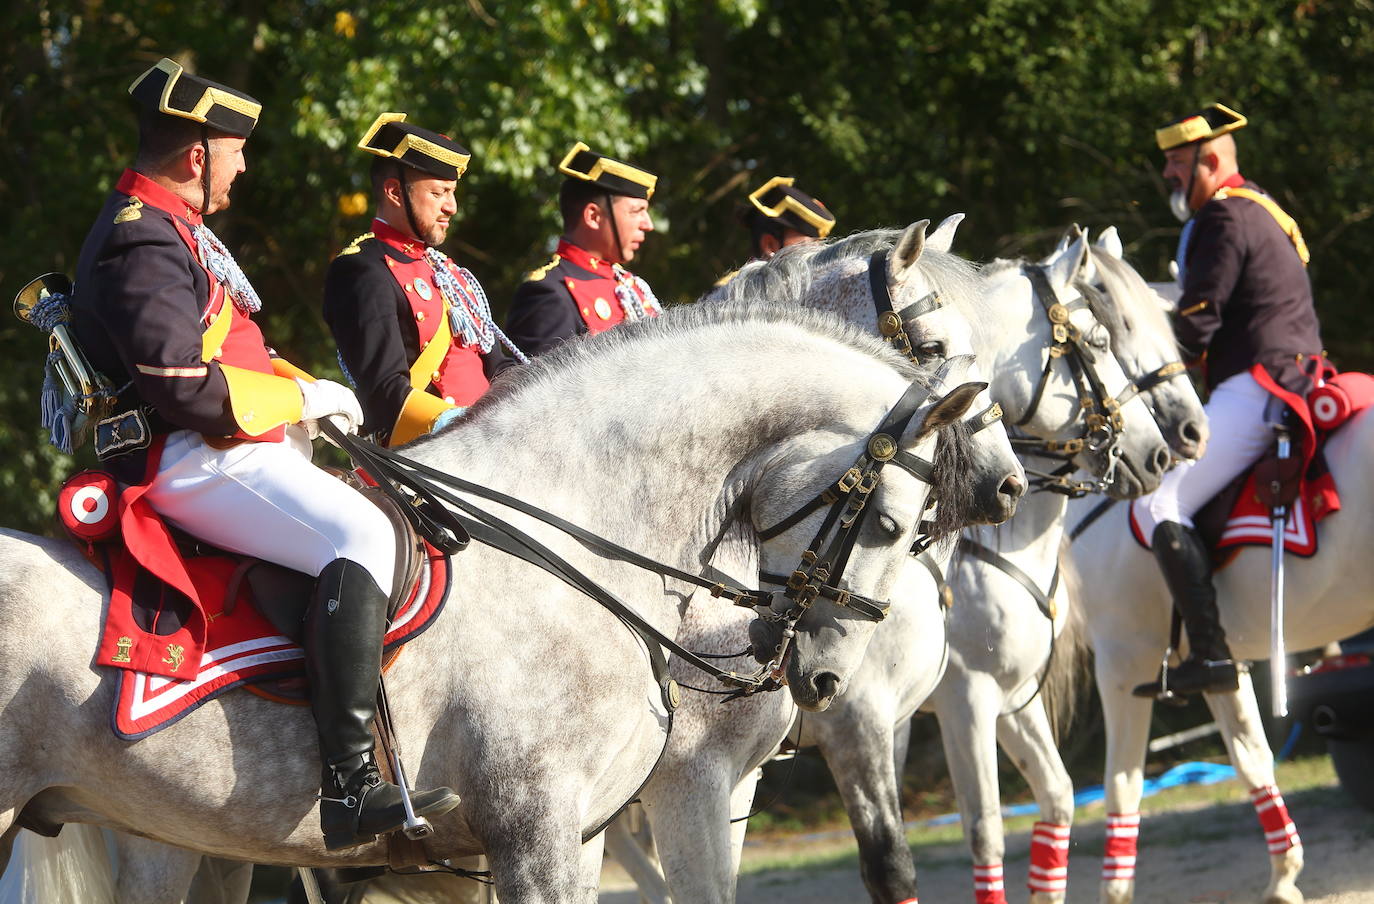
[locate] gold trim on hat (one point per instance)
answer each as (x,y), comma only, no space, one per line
(1197,128)
(821,224)
(625,171)
(424,146)
(209,98)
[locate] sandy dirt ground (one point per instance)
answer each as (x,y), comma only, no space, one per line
(1210,855)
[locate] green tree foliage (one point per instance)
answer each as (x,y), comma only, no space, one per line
(1025,114)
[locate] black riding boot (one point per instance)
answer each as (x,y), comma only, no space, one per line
(343,654)
(1187,568)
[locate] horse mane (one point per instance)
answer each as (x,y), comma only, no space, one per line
(549,372)
(1126,290)
(792,272)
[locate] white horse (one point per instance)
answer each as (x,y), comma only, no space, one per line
(1004,633)
(1128,608)
(709,772)
(535,703)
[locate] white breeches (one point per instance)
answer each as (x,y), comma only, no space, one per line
(1239,436)
(268,501)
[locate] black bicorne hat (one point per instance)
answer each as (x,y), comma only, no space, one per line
(615,176)
(780,200)
(429,152)
(171,90)
(1210,122)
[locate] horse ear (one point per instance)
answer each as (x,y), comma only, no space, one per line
(942,239)
(907,250)
(1064,269)
(1109,242)
(950,409)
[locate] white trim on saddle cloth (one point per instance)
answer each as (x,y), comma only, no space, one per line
(147,703)
(1299,531)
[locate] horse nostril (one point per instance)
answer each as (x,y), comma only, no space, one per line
(1159,461)
(1013,486)
(827,685)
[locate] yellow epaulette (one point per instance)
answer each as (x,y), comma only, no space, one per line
(353,246)
(1286,223)
(130,211)
(536,275)
(725,280)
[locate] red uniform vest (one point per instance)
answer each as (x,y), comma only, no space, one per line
(459,378)
(243,346)
(596,300)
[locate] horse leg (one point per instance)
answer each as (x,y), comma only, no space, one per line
(1243,729)
(968,714)
(1027,739)
(901,744)
(589,868)
(690,808)
(221,882)
(627,850)
(153,873)
(1128,732)
(861,758)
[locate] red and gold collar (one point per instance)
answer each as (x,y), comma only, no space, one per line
(579,256)
(406,244)
(137,185)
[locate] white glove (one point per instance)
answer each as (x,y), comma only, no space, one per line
(327,399)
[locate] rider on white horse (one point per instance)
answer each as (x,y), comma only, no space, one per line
(1246,300)
(414,329)
(205,420)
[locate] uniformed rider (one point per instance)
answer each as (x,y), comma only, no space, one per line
(586,287)
(779,214)
(1246,300)
(414,329)
(209,419)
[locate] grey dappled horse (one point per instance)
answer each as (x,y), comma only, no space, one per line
(1329,597)
(708,774)
(1001,641)
(680,437)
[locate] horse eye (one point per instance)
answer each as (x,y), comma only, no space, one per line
(929,350)
(1099,338)
(888,525)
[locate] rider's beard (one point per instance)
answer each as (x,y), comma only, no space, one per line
(1178,205)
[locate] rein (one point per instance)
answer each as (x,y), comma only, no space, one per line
(388,467)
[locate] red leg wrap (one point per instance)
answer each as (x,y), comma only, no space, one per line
(1279,831)
(1049,857)
(1118,861)
(987,884)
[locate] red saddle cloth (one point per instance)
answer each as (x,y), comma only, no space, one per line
(171,629)
(243,648)
(1320,415)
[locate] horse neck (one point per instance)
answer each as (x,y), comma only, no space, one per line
(1007,336)
(684,461)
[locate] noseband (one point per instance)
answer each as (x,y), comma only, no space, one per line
(818,574)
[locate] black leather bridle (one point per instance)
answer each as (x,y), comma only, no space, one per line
(892,325)
(823,565)
(1098,409)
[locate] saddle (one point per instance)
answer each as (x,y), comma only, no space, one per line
(1240,516)
(145,602)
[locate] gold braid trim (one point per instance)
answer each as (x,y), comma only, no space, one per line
(353,247)
(536,275)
